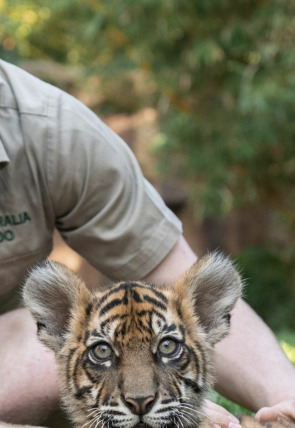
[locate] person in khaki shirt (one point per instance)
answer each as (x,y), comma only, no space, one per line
(60,166)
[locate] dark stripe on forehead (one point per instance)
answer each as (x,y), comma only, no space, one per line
(159,295)
(150,313)
(116,289)
(154,302)
(95,333)
(159,315)
(111,305)
(125,298)
(136,296)
(143,313)
(124,301)
(124,328)
(121,329)
(88,309)
(143,327)
(111,319)
(172,327)
(179,309)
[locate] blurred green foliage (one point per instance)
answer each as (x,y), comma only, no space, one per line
(269,277)
(221,75)
(222,72)
(233,408)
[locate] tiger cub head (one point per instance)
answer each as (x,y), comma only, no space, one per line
(134,354)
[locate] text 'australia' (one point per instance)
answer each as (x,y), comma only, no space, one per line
(14,219)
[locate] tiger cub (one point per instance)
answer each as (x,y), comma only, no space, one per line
(134,355)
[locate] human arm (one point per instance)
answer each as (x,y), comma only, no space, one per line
(260,374)
(251,368)
(29,391)
(282,410)
(103,207)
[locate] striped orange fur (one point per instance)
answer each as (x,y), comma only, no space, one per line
(134,354)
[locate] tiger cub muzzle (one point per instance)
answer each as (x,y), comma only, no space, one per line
(135,354)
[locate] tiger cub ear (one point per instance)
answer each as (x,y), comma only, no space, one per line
(213,286)
(50,292)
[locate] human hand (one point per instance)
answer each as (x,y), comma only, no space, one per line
(219,416)
(284,410)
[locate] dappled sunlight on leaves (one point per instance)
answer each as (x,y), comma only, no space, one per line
(289,350)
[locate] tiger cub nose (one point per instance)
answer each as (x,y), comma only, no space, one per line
(139,405)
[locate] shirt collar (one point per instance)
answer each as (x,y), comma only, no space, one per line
(4,159)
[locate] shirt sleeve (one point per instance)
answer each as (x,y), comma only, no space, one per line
(104,208)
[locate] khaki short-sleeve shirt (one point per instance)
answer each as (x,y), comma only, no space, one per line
(61,166)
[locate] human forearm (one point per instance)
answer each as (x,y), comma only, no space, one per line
(178,260)
(251,368)
(29,390)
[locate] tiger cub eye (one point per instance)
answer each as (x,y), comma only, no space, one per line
(169,347)
(102,351)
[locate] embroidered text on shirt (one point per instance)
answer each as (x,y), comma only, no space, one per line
(12,220)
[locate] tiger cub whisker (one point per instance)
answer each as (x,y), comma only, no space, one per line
(135,354)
